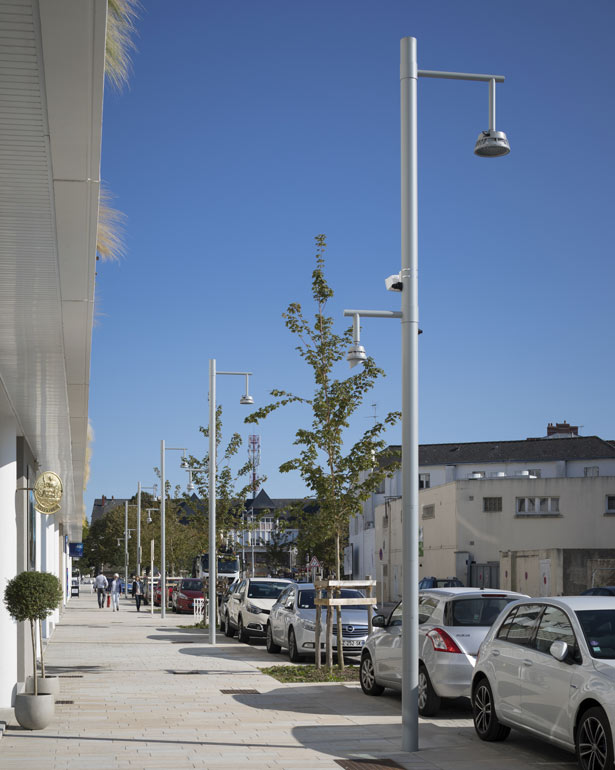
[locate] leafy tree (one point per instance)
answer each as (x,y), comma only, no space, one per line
(278,546)
(232,489)
(33,596)
(340,480)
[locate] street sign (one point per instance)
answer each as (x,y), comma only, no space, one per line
(314,563)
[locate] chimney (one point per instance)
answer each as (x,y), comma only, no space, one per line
(103,500)
(562,429)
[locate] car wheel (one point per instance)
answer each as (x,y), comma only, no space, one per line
(429,701)
(272,647)
(487,725)
(228,631)
(367,676)
(293,652)
(594,741)
(241,632)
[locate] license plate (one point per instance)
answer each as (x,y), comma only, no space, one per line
(353,642)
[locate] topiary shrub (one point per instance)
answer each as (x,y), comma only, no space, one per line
(33,596)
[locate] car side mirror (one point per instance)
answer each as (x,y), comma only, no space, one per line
(291,606)
(379,621)
(559,650)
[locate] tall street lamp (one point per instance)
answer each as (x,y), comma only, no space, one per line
(139,489)
(163,554)
(490,144)
(213,550)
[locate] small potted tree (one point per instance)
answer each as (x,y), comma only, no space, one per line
(33,596)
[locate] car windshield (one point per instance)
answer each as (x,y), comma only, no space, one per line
(269,590)
(306,599)
(599,632)
(192,585)
(479,611)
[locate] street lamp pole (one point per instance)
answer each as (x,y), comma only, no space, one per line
(125,549)
(163,553)
(213,546)
(490,144)
(139,489)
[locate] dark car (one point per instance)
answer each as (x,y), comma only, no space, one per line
(184,594)
(433,582)
(599,591)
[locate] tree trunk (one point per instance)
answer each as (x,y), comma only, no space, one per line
(340,648)
(34,671)
(40,635)
(317,653)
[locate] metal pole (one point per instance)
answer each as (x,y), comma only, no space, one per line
(492,104)
(125,549)
(163,556)
(410,337)
(213,556)
(252,534)
(139,530)
(151,579)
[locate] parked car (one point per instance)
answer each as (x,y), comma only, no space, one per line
(184,593)
(548,667)
(292,623)
(247,608)
(433,582)
(599,591)
(452,624)
(171,583)
(224,602)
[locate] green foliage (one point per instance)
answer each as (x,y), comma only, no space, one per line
(310,673)
(340,480)
(32,596)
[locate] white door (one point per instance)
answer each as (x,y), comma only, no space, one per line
(545,577)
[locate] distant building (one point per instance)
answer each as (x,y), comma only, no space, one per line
(524,462)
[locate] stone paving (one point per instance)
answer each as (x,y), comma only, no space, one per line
(147,694)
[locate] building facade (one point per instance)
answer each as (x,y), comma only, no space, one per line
(52,71)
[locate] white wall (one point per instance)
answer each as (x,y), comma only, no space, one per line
(8,558)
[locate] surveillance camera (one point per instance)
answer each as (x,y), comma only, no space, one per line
(393,283)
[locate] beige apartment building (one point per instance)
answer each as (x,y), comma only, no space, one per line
(541,536)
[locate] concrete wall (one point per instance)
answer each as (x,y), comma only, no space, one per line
(8,557)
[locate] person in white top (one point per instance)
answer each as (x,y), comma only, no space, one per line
(100,586)
(116,587)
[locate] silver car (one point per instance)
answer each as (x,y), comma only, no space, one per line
(452,624)
(548,667)
(292,623)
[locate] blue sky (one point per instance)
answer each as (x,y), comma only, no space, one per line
(251,126)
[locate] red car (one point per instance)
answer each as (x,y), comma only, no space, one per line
(184,594)
(171,583)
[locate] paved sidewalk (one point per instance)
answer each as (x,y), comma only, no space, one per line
(146,694)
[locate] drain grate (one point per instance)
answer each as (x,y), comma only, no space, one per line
(64,702)
(368,764)
(239,692)
(70,676)
(179,642)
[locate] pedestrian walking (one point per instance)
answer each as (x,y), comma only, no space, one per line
(116,587)
(137,591)
(100,586)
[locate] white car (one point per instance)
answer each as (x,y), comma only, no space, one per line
(292,623)
(247,608)
(548,667)
(452,624)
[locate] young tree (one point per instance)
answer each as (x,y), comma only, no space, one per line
(340,477)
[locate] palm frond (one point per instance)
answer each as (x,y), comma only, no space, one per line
(109,235)
(119,43)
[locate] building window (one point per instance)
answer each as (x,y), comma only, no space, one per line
(535,472)
(477,475)
(591,470)
(610,503)
(543,506)
(429,511)
(492,504)
(380,488)
(424,481)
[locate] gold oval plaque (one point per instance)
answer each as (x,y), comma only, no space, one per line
(48,493)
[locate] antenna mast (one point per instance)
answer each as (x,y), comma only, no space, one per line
(254,455)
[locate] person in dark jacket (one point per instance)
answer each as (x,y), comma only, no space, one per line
(137,591)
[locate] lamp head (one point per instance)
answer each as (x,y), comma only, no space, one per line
(356,354)
(247,399)
(190,487)
(491,144)
(184,463)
